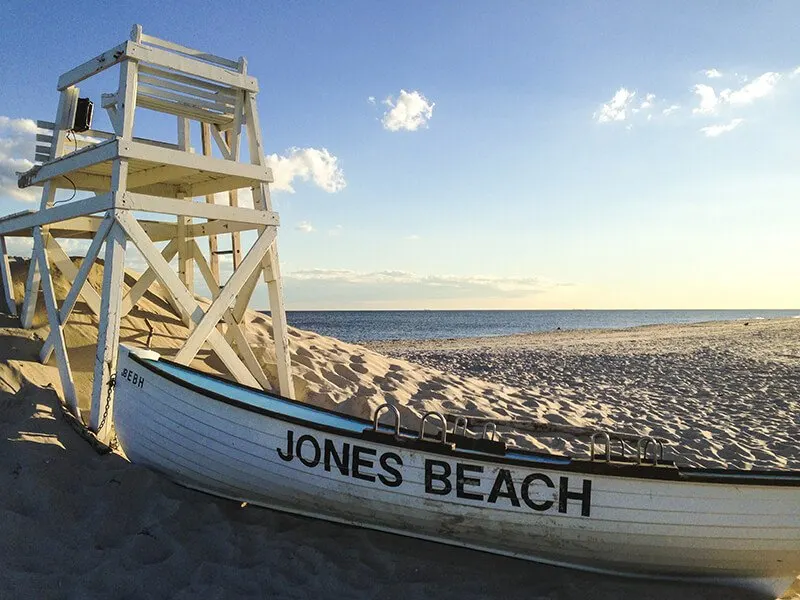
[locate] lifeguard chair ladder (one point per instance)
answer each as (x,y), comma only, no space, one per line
(127,175)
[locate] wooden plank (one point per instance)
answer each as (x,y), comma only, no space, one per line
(71,162)
(225,298)
(8,282)
(222,144)
(31,292)
(62,358)
(169,279)
(191,66)
(48,139)
(190,101)
(96,65)
(155,175)
(79,284)
(126,97)
(70,271)
(60,212)
(198,54)
(105,364)
(166,156)
(146,280)
(183,110)
(203,84)
(221,97)
(45,125)
(155,204)
(234,331)
(216,227)
(205,138)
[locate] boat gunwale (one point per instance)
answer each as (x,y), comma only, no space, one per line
(755,477)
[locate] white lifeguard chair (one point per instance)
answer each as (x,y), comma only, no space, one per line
(130,175)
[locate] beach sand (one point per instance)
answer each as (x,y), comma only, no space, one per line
(79,525)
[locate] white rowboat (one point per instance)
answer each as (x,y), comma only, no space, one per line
(612,516)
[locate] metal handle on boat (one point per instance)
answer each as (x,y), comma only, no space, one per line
(462,423)
(486,427)
(606,439)
(438,416)
(392,408)
(622,445)
(644,444)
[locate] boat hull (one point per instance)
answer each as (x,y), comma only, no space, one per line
(540,511)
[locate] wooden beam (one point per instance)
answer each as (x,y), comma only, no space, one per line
(70,271)
(204,56)
(126,96)
(222,143)
(92,67)
(105,365)
(234,331)
(187,208)
(169,279)
(8,282)
(216,227)
(225,298)
(60,212)
(205,138)
(78,284)
(146,280)
(190,66)
(62,358)
(75,161)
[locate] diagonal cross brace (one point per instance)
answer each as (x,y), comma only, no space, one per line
(226,296)
(170,280)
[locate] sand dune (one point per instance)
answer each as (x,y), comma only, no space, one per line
(77,525)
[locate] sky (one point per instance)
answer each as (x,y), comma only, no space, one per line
(483,155)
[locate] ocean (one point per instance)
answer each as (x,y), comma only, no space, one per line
(368,325)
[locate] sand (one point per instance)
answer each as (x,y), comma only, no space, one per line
(79,525)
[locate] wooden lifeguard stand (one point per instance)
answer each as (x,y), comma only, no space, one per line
(130,175)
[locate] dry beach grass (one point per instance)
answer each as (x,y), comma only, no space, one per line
(77,525)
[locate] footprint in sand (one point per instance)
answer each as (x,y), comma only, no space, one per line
(348,373)
(337,380)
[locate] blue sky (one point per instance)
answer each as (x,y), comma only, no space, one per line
(551,155)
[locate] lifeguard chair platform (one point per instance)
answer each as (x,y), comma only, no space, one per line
(128,176)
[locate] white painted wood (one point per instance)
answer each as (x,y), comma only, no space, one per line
(222,143)
(234,332)
(165,80)
(637,525)
(216,227)
(79,285)
(155,204)
(96,65)
(75,161)
(224,62)
(108,334)
(126,97)
(31,291)
(185,248)
(60,212)
(8,282)
(213,244)
(185,300)
(225,298)
(190,66)
(56,327)
(146,280)
(166,156)
(64,264)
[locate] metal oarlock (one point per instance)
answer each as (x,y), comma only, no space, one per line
(436,415)
(391,408)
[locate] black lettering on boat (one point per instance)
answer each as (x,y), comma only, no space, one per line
(342,460)
(504,479)
(359,463)
(525,491)
(442,476)
(396,476)
(462,481)
(289,454)
(313,462)
(585,496)
(129,375)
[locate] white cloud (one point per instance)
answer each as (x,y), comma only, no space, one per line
(17,143)
(335,231)
(795,73)
(760,87)
(670,109)
(717,130)
(500,285)
(317,165)
(647,102)
(712,73)
(617,108)
(411,111)
(708,99)
(412,238)
(305,227)
(371,99)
